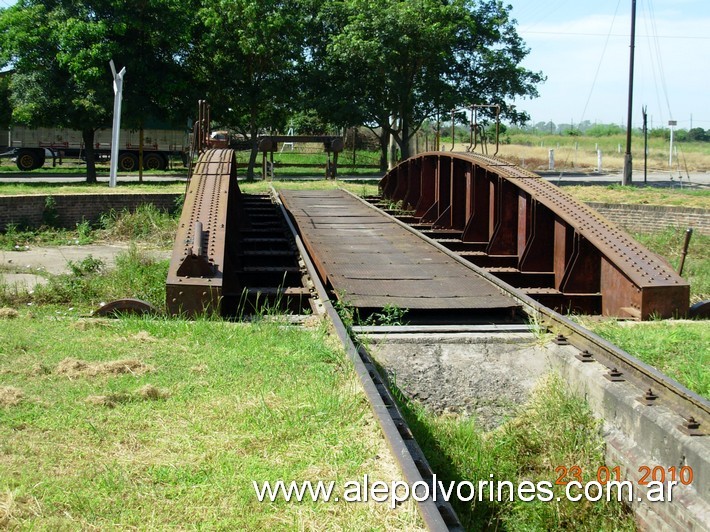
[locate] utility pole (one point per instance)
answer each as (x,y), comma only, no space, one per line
(645,144)
(118,96)
(627,158)
(671,125)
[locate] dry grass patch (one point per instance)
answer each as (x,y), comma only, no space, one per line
(143,336)
(7,313)
(147,392)
(92,323)
(109,401)
(14,509)
(11,396)
(150,392)
(73,368)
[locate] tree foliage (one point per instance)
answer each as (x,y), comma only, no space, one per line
(5,107)
(245,59)
(393,64)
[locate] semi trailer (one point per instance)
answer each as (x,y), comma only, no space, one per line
(32,148)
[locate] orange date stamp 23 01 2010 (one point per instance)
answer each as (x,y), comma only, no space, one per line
(682,475)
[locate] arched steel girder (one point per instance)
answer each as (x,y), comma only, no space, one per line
(531,234)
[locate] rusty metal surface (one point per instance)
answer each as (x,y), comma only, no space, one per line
(508,216)
(198,263)
(370,261)
(136,307)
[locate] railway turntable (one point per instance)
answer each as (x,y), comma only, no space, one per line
(370,261)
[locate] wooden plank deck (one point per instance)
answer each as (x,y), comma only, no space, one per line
(371,261)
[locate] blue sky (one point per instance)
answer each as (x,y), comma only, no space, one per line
(567,41)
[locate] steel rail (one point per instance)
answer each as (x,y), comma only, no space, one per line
(683,401)
(435,511)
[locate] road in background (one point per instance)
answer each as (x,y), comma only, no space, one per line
(698,180)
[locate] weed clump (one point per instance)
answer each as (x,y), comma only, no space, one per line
(89,283)
(147,222)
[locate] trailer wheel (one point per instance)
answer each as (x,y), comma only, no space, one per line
(127,162)
(29,159)
(154,161)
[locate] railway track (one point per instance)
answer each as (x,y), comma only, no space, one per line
(649,418)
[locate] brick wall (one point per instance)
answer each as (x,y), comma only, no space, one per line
(69,209)
(652,218)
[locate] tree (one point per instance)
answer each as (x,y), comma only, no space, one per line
(246,58)
(152,40)
(5,108)
(698,134)
(55,48)
(398,63)
(60,52)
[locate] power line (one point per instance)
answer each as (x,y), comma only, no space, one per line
(574,33)
(601,59)
(659,58)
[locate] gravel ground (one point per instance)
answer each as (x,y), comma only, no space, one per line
(484,375)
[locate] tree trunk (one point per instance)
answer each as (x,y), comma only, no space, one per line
(87,135)
(140,155)
(404,144)
(253,154)
(384,139)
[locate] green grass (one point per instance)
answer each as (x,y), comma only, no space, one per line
(122,187)
(231,403)
(17,239)
(178,187)
(664,196)
(78,168)
(554,429)
(360,188)
(681,350)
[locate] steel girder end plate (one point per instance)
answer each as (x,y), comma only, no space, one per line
(700,311)
(133,307)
